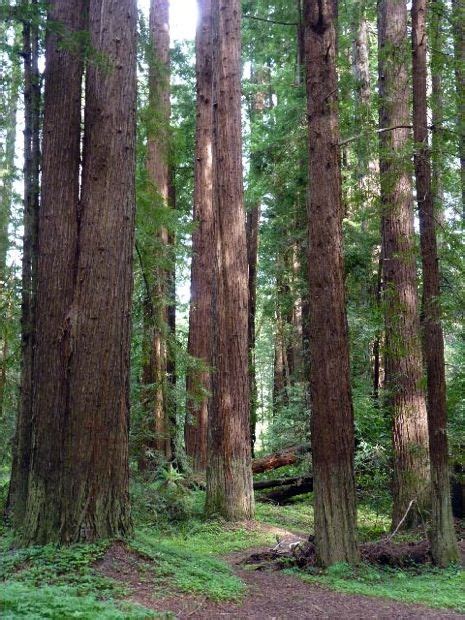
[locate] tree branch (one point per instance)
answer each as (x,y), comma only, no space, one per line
(270,21)
(382,130)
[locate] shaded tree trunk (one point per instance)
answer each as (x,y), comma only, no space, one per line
(437,38)
(78,481)
(444,547)
(155,371)
(252,230)
(280,396)
(203,252)
(403,359)
(22,443)
(252,226)
(332,414)
(7,162)
(229,473)
(458,16)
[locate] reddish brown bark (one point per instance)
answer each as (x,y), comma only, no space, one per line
(203,252)
(55,272)
(32,101)
(444,547)
(404,372)
(279,459)
(229,472)
(78,479)
(332,415)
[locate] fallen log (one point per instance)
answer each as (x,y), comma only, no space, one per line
(279,482)
(281,496)
(289,456)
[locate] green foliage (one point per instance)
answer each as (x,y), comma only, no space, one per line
(60,582)
(164,499)
(431,587)
(187,570)
(18,600)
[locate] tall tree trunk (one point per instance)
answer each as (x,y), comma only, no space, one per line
(406,399)
(332,414)
(203,252)
(158,172)
(78,480)
(7,163)
(280,395)
(458,16)
(437,38)
(444,547)
(252,227)
(229,473)
(22,444)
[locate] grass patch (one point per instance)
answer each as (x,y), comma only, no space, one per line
(186,569)
(441,589)
(21,600)
(60,582)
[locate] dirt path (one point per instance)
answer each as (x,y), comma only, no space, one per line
(271,596)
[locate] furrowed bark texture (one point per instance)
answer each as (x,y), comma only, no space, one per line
(404,373)
(229,473)
(332,414)
(22,440)
(78,483)
(444,547)
(203,251)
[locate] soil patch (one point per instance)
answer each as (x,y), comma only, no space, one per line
(270,594)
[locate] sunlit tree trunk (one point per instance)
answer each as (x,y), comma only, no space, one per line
(229,472)
(444,547)
(404,371)
(203,252)
(332,414)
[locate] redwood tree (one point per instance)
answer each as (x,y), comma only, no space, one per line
(403,357)
(155,370)
(443,541)
(229,473)
(458,17)
(203,252)
(332,414)
(78,475)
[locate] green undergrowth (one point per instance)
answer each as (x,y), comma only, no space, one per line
(20,600)
(188,556)
(298,516)
(443,589)
(60,582)
(189,568)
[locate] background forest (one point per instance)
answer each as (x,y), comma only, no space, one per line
(232,300)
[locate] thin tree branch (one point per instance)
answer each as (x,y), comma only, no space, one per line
(382,130)
(270,21)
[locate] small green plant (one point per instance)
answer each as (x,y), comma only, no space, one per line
(164,499)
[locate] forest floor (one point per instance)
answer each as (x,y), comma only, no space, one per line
(201,569)
(270,594)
